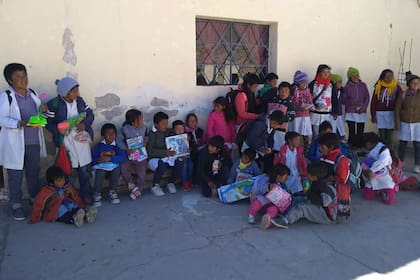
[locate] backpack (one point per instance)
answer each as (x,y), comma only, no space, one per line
(230,97)
(9,96)
(355,167)
(395,170)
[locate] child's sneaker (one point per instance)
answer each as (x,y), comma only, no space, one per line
(266,222)
(251,219)
(187,186)
(157,190)
(97,197)
(79,217)
(113,196)
(416,169)
(280,222)
(135,192)
(91,215)
(171,188)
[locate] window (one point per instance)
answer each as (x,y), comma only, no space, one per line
(226,51)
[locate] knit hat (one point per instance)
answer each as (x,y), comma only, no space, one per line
(65,85)
(335,78)
(300,77)
(352,72)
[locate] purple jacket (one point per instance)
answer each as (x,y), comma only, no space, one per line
(355,95)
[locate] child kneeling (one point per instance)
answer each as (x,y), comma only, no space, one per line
(322,206)
(259,202)
(376,169)
(60,202)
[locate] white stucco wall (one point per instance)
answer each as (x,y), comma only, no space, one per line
(145,49)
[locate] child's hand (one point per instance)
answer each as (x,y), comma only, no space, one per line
(108,153)
(44,108)
(272,186)
(80,127)
(170,153)
(104,159)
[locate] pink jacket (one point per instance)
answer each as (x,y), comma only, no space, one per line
(302,96)
(280,157)
(217,125)
(241,105)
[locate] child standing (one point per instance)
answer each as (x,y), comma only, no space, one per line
(302,101)
(337,107)
(382,105)
(184,165)
(107,153)
(131,128)
(355,100)
(376,170)
(323,206)
(278,176)
(213,166)
(282,102)
(270,84)
(339,169)
(321,89)
(59,201)
(291,155)
(245,165)
(159,155)
(21,146)
(244,103)
(407,119)
(68,104)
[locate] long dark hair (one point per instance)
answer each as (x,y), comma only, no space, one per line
(250,79)
(228,112)
(383,73)
(320,68)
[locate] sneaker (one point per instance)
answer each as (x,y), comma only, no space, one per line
(265,222)
(251,219)
(187,186)
(171,188)
(79,217)
(97,200)
(416,169)
(113,196)
(131,186)
(18,214)
(280,222)
(91,215)
(157,190)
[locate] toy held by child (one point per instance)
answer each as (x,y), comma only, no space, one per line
(59,201)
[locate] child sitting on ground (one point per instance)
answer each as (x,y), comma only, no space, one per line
(60,202)
(184,165)
(291,155)
(376,168)
(159,154)
(133,127)
(259,203)
(245,166)
(314,153)
(322,208)
(106,158)
(195,133)
(213,166)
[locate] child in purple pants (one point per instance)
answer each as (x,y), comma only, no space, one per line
(133,127)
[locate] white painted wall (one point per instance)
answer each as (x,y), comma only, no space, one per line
(145,49)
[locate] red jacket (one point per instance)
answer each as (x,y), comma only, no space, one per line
(342,171)
(280,157)
(48,201)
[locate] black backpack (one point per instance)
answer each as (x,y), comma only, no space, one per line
(230,97)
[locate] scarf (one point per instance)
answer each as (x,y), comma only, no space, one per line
(242,165)
(325,82)
(390,86)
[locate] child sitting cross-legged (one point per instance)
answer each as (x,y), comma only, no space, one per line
(263,185)
(245,166)
(322,208)
(107,157)
(59,201)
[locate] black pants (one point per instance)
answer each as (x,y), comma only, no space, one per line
(386,136)
(401,151)
(219,179)
(356,131)
(67,218)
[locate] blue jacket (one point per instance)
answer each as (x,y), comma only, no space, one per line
(314,152)
(251,169)
(257,134)
(57,112)
(260,189)
(119,157)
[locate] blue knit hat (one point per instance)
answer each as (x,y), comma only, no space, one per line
(65,85)
(300,77)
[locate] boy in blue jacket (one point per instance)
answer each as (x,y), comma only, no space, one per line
(106,158)
(314,153)
(245,165)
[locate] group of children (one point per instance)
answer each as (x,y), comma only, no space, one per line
(265,134)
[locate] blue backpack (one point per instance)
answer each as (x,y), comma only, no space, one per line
(355,166)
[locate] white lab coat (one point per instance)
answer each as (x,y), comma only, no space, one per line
(12,142)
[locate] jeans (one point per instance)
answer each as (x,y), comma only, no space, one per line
(67,218)
(31,163)
(114,176)
(84,182)
(386,136)
(356,131)
(160,171)
(185,169)
(401,151)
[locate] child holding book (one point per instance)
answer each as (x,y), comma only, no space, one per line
(245,166)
